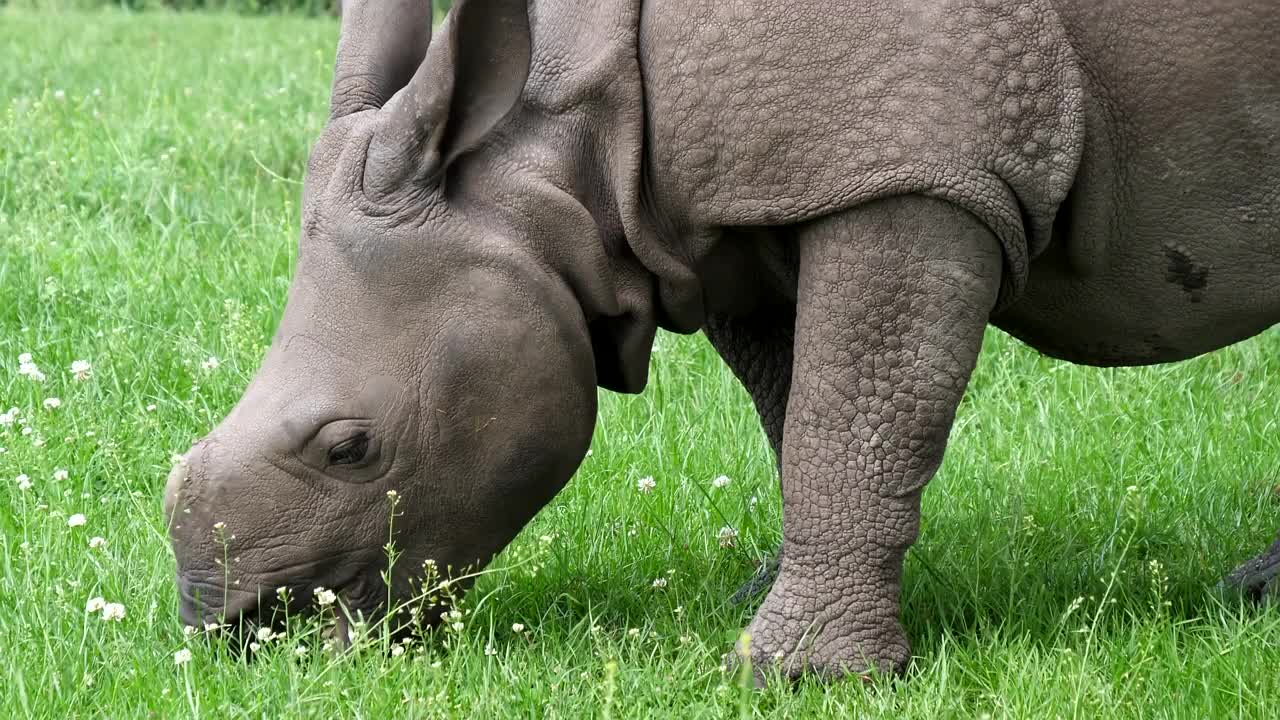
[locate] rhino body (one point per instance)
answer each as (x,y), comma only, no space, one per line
(840,195)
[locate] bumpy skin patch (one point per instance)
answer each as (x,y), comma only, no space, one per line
(881,361)
(767,114)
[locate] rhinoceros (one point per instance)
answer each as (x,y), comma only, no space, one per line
(840,195)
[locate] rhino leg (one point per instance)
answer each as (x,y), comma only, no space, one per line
(892,301)
(757,348)
(1258,579)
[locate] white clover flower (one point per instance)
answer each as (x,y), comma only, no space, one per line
(26,431)
(265,634)
(27,366)
(24,482)
(397,650)
(189,630)
(77,520)
(96,542)
(325,597)
(490,650)
(210,364)
(81,369)
(94,605)
(113,611)
(254,647)
(646,484)
(457,627)
(182,657)
(60,475)
(151,408)
(517,628)
(52,403)
(634,632)
(300,650)
(659,583)
(720,482)
(727,536)
(9,417)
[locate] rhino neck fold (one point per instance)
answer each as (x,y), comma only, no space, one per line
(569,165)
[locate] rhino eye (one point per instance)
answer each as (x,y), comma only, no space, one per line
(349,451)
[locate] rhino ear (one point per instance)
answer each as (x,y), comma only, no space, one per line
(380,46)
(473,75)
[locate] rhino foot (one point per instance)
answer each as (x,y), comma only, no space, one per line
(1257,579)
(792,636)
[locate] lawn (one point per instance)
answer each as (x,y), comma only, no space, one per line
(150,170)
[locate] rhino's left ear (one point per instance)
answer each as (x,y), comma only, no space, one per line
(473,75)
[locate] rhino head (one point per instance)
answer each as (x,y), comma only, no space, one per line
(430,345)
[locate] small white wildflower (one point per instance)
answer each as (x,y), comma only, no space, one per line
(151,408)
(457,627)
(60,475)
(9,417)
(392,495)
(182,657)
(490,650)
(24,482)
(397,650)
(634,632)
(219,526)
(659,583)
(211,627)
(77,520)
(646,484)
(59,95)
(300,650)
(81,369)
(727,536)
(97,542)
(26,431)
(94,605)
(265,634)
(325,597)
(113,611)
(517,628)
(751,503)
(210,364)
(37,441)
(27,367)
(189,630)
(254,646)
(722,481)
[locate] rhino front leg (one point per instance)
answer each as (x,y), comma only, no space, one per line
(892,301)
(757,348)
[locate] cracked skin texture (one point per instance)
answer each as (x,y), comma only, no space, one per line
(841,195)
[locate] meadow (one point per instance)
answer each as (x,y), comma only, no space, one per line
(150,170)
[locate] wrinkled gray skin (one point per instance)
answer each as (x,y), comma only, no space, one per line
(841,195)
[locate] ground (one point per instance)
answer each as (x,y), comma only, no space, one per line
(149,188)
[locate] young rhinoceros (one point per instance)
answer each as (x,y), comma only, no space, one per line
(841,195)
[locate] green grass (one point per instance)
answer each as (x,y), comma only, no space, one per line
(149,189)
